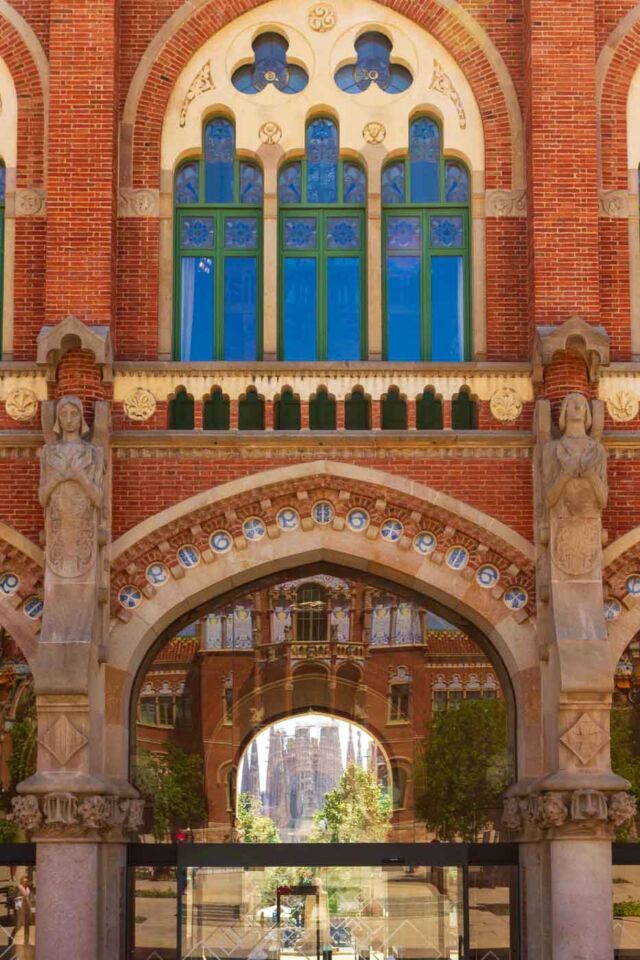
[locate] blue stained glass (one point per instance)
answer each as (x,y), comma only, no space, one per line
(300,233)
(447,308)
(290,184)
(393,186)
(196,308)
(456,183)
(300,298)
(240,308)
(447,232)
(219,156)
(270,66)
(373,65)
(241,232)
(403,308)
(188,183)
(403,233)
(343,308)
(343,233)
(197,232)
(322,161)
(354,184)
(251,189)
(424,154)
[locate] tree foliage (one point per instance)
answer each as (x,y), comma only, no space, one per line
(173,786)
(253,825)
(22,762)
(624,759)
(357,810)
(463,770)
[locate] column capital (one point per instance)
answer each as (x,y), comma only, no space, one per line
(583,813)
(79,817)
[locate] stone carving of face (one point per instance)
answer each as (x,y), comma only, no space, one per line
(575,415)
(69,418)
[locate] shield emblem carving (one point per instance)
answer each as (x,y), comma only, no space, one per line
(575,545)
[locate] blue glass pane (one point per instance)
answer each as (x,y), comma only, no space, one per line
(322,162)
(447,308)
(300,233)
(354,184)
(373,65)
(250,183)
(187,183)
(219,155)
(196,308)
(404,233)
(290,184)
(424,155)
(270,66)
(456,183)
(393,188)
(300,283)
(447,232)
(241,232)
(343,308)
(197,232)
(3,182)
(240,308)
(343,233)
(403,308)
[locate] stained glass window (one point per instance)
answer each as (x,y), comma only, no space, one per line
(270,67)
(322,237)
(218,251)
(426,235)
(373,65)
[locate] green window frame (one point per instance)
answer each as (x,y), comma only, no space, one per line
(218,254)
(426,256)
(321,246)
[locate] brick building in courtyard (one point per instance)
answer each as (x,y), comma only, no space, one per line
(319,393)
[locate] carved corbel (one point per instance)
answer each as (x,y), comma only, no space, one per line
(575,335)
(72,334)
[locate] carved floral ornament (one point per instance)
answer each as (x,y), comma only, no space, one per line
(397,528)
(322,17)
(622,406)
(21,404)
(442,83)
(139,405)
(270,132)
(505,405)
(374,132)
(201,83)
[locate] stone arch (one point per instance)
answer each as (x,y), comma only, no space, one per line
(182,34)
(621,559)
(20,556)
(345,486)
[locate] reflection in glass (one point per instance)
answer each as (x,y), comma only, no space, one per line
(299,698)
(300,278)
(306,913)
(343,308)
(154,907)
(447,308)
(196,308)
(240,307)
(403,308)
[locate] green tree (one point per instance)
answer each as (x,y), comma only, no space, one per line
(254,826)
(463,770)
(174,787)
(23,734)
(624,758)
(357,810)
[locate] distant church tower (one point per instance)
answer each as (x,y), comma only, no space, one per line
(251,773)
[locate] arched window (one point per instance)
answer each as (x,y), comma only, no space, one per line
(311,614)
(218,245)
(323,242)
(426,241)
(3,189)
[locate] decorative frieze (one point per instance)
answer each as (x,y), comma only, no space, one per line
(551,810)
(75,816)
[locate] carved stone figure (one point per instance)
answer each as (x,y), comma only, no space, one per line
(71,495)
(574,493)
(588,805)
(553,810)
(622,808)
(512,815)
(26,813)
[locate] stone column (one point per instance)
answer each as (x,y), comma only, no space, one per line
(571,813)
